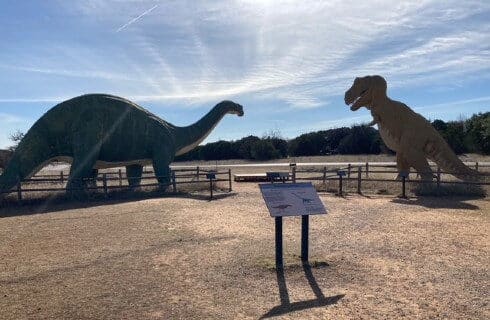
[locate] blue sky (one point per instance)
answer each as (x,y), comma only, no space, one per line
(287,62)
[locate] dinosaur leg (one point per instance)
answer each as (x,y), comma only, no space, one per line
(421,165)
(134,173)
(161,165)
(80,172)
(92,182)
(86,149)
(402,165)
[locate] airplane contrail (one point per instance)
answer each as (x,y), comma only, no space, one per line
(137,18)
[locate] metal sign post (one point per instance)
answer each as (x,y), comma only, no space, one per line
(279,251)
(291,199)
(341,174)
(404,176)
(305,225)
(211,176)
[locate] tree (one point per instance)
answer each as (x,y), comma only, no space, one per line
(264,150)
(439,125)
(360,140)
(477,137)
(308,144)
(244,147)
(333,138)
(280,145)
(454,135)
(219,150)
(16,137)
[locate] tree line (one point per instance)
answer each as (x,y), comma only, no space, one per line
(464,136)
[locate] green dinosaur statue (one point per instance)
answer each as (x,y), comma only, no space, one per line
(404,131)
(5,156)
(96,131)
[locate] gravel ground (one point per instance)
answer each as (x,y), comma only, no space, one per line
(188,258)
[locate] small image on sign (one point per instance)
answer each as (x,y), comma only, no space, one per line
(291,199)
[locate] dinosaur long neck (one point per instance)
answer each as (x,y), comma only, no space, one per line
(187,138)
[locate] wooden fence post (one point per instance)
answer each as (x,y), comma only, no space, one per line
(476,166)
(325,175)
(174,182)
(404,195)
(367,169)
(340,186)
(438,176)
(359,179)
(120,178)
(19,190)
(197,173)
(104,183)
(294,174)
(62,177)
(348,170)
(229,180)
(210,188)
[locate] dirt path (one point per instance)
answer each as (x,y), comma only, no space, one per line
(186,258)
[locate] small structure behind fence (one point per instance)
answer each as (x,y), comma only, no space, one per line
(359,177)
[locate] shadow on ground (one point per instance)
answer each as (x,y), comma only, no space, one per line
(11,208)
(286,306)
(439,202)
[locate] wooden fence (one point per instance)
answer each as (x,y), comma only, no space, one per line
(187,175)
(117,180)
(363,174)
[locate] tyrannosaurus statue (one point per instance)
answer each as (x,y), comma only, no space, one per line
(404,131)
(100,131)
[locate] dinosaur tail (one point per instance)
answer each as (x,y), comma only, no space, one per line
(446,159)
(31,155)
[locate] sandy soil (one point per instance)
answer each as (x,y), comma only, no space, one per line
(189,258)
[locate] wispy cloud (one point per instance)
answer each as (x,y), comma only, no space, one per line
(130,22)
(454,103)
(302,54)
(35,100)
(94,74)
(7,118)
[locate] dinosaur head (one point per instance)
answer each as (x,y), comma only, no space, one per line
(231,107)
(364,91)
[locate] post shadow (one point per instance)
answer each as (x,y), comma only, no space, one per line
(286,306)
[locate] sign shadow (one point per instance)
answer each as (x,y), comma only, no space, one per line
(286,306)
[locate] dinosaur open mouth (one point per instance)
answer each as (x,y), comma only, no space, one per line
(353,105)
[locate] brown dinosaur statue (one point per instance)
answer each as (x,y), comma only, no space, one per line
(404,131)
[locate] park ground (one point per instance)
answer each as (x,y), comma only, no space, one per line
(184,257)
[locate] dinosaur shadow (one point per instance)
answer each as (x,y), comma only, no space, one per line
(286,306)
(439,202)
(56,203)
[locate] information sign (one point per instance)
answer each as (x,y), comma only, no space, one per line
(292,199)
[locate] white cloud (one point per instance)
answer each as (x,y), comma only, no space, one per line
(130,22)
(6,118)
(301,53)
(456,103)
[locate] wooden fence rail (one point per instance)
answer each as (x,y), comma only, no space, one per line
(105,178)
(337,175)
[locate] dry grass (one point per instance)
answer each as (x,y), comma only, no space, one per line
(190,258)
(331,158)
